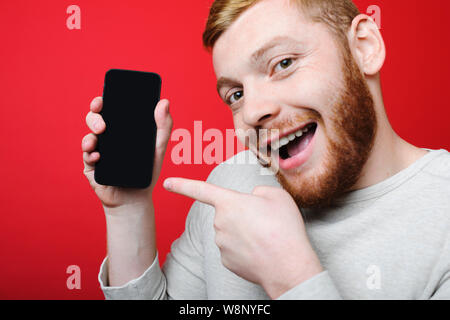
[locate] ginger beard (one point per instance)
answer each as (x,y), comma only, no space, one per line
(354,125)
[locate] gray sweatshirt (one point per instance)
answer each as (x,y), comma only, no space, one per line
(388,241)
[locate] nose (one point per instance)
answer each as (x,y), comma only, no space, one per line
(259,109)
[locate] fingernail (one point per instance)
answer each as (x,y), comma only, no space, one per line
(167,108)
(167,184)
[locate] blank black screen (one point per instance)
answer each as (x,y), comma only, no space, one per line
(127,145)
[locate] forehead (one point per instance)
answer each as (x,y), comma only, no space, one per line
(254,28)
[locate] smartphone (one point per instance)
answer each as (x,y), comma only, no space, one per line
(127,146)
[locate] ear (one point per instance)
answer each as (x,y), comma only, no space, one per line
(367,44)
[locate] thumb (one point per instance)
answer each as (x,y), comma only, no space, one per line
(164,125)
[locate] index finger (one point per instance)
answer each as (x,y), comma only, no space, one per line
(96,104)
(200,190)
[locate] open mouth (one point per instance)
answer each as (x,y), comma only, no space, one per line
(295,148)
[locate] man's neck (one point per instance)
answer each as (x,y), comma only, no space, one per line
(390,155)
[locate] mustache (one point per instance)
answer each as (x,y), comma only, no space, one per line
(254,137)
(292,121)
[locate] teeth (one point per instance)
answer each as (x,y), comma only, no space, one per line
(283,142)
(275,145)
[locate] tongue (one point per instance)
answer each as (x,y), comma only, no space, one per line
(299,144)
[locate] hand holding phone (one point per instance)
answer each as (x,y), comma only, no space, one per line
(112,196)
(128,143)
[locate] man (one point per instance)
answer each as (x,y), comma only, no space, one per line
(361,213)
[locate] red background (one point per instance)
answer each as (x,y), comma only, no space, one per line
(49,216)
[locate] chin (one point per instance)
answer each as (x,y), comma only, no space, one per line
(312,185)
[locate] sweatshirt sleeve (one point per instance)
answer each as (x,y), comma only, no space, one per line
(440,278)
(319,287)
(443,291)
(150,285)
(181,277)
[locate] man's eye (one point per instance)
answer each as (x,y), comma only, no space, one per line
(235,97)
(284,64)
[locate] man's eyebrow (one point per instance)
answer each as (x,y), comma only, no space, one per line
(256,57)
(222,82)
(274,42)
